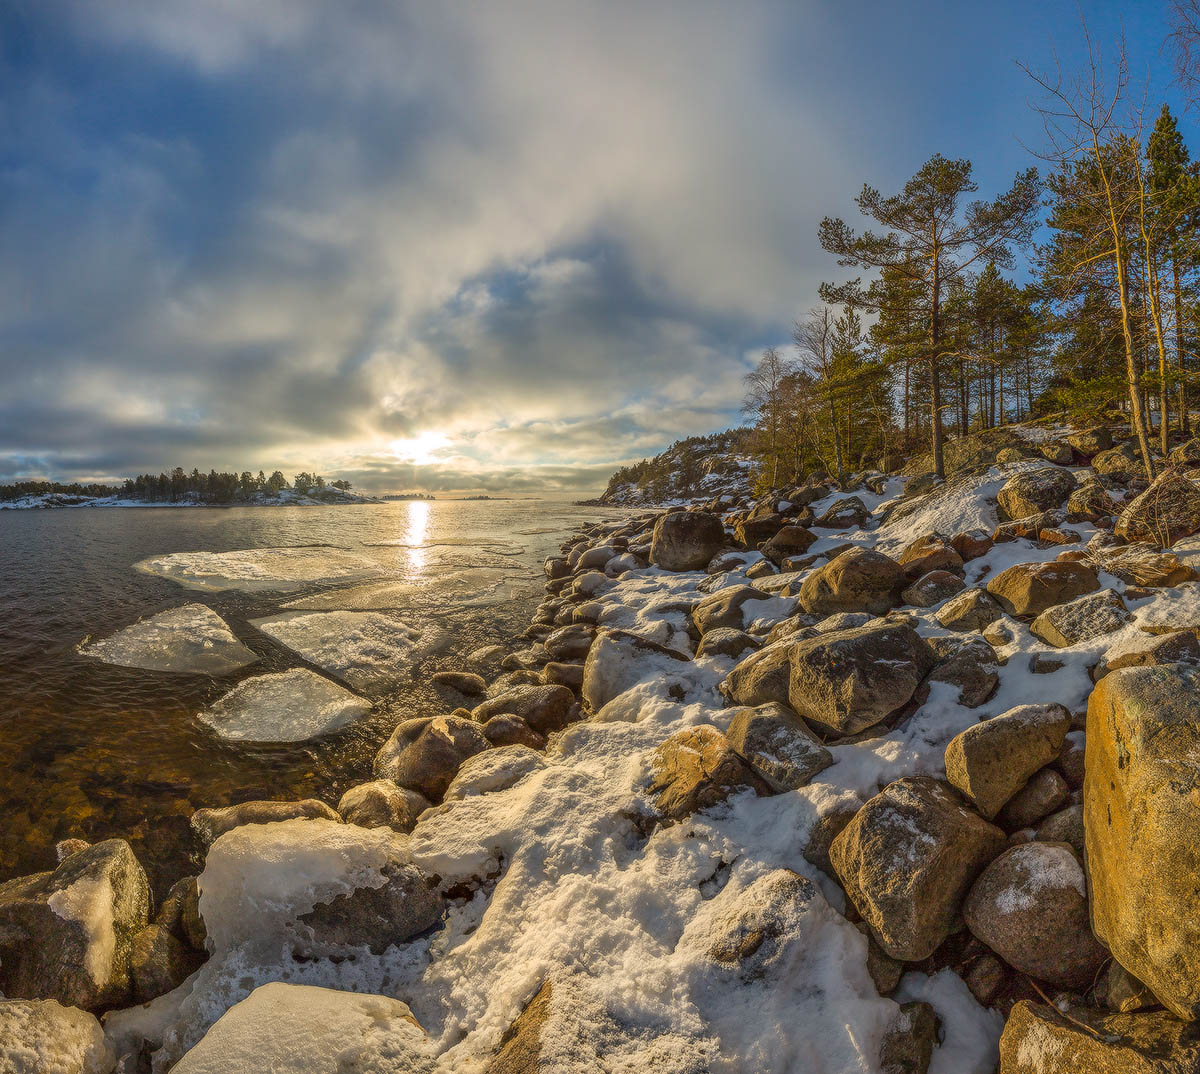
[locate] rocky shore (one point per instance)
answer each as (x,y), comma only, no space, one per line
(892,776)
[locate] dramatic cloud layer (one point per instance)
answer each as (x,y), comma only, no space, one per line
(449,245)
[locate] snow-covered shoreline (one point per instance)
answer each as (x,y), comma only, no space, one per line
(591,862)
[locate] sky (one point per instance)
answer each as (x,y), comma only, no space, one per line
(488,246)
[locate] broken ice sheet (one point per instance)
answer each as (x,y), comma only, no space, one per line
(367,650)
(192,638)
(288,706)
(461,587)
(258,569)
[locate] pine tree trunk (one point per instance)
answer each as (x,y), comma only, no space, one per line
(935,380)
(1181,390)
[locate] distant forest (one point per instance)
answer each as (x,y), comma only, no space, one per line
(1074,291)
(180,486)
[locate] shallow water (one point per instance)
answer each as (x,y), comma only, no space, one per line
(92,750)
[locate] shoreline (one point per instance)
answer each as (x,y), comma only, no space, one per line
(576,849)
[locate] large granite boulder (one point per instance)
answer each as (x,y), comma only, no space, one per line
(972,609)
(969,664)
(1141,802)
(41,1036)
(778,745)
(686,540)
(844,514)
(932,552)
(858,580)
(1089,442)
(1120,463)
(990,761)
(907,861)
(1039,1039)
(428,762)
(67,934)
(1091,502)
(788,541)
(1028,589)
(1033,491)
(382,803)
(695,769)
(1030,907)
(849,680)
(1168,510)
(761,677)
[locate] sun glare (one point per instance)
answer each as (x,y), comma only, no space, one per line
(419,449)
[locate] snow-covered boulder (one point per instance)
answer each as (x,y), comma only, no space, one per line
(316,886)
(618,661)
(778,745)
(66,935)
(1032,491)
(299,1029)
(209,824)
(42,1036)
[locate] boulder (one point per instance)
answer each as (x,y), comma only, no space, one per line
(1030,907)
(493,770)
(1142,565)
(1028,589)
(521,1046)
(1089,442)
(907,860)
(761,677)
(618,661)
(1168,510)
(557,673)
(67,934)
(686,540)
(1182,646)
(908,1044)
(429,762)
(932,588)
(778,745)
(1141,802)
(545,708)
(382,804)
(1120,463)
(179,913)
(1039,1039)
(849,680)
(1091,616)
(844,514)
(932,552)
(726,642)
(209,824)
(724,608)
(1033,491)
(857,580)
(316,887)
(1041,796)
(41,1036)
(510,730)
(465,682)
(971,544)
(972,609)
(1090,502)
(284,1028)
(569,642)
(696,769)
(788,541)
(990,761)
(969,665)
(1057,451)
(1065,826)
(159,962)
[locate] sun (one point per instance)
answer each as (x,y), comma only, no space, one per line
(420,449)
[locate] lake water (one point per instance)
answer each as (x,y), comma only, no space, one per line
(92,750)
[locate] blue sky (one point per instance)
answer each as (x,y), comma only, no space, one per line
(457,245)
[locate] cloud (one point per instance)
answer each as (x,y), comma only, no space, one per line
(292,232)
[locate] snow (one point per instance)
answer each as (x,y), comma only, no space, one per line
(89,903)
(41,1036)
(493,770)
(287,706)
(367,650)
(971,1034)
(1041,867)
(190,639)
(299,1029)
(255,570)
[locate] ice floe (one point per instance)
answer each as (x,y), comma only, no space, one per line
(367,650)
(289,706)
(259,569)
(192,638)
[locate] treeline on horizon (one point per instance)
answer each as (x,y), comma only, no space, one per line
(178,485)
(940,339)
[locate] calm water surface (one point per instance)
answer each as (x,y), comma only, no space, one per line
(90,750)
